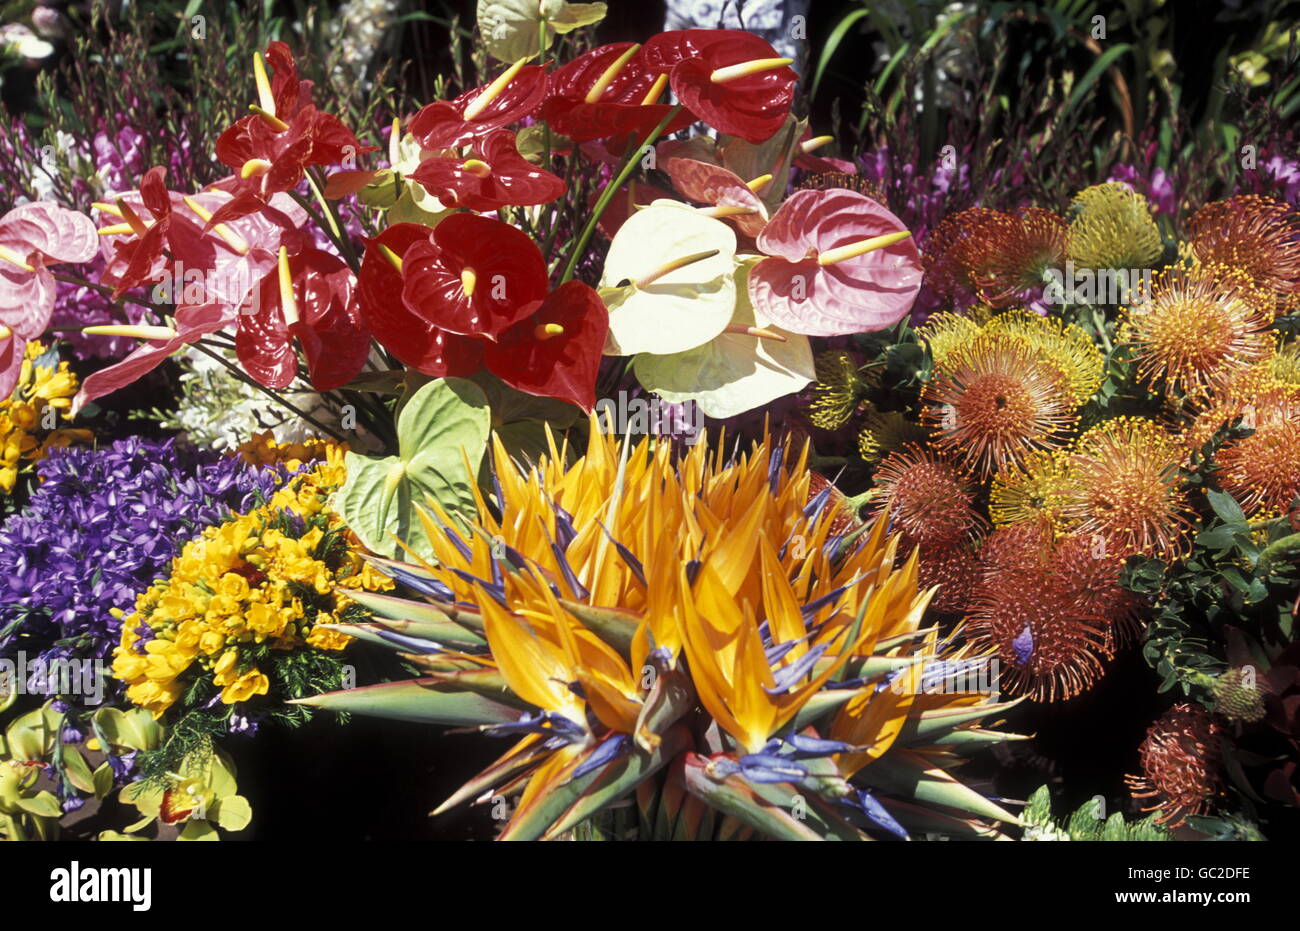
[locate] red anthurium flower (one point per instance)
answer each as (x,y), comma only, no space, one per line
(32,237)
(609,91)
(473,275)
(224,262)
(730,79)
(839,263)
(447,124)
(270,150)
(727,194)
(142,253)
(412,338)
(495,175)
(309,298)
(555,352)
(190,324)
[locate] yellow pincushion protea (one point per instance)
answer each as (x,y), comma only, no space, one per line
(26,430)
(258,585)
(688,626)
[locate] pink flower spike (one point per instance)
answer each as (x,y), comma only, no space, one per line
(860,293)
(33,236)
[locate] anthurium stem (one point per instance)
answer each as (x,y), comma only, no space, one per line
(238,373)
(625,172)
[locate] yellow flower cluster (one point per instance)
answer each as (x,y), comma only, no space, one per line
(270,578)
(27,416)
(263,449)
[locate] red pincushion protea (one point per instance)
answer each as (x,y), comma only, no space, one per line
(609,91)
(1180,764)
(955,569)
(494,176)
(515,94)
(838,263)
(1049,645)
(730,79)
(994,401)
(1001,257)
(1256,234)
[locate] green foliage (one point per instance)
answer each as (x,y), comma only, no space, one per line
(1086,823)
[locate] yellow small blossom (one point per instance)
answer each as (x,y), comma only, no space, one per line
(263,580)
(27,417)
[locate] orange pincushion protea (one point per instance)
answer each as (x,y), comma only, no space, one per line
(925,497)
(995,400)
(1262,470)
(1001,257)
(1125,493)
(955,569)
(1257,234)
(1180,758)
(1200,328)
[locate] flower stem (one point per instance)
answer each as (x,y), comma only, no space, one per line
(242,376)
(628,166)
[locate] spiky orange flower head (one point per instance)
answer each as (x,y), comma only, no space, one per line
(1262,470)
(1063,344)
(1125,491)
(951,248)
(1091,578)
(995,400)
(1011,254)
(1200,328)
(1180,764)
(1034,490)
(925,497)
(955,569)
(1022,610)
(1257,234)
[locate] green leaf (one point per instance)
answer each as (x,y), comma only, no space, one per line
(1226,506)
(232,813)
(445,422)
(1218,538)
(425,701)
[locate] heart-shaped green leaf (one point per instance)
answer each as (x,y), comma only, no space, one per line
(445,423)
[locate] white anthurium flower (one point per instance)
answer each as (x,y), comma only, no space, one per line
(749,364)
(668,280)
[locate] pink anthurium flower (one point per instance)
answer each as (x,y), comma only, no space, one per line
(309,298)
(33,237)
(728,196)
(12,350)
(839,263)
(495,175)
(191,323)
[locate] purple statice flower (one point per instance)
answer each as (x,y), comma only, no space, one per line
(102,526)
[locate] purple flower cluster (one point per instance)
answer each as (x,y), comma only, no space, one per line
(103,525)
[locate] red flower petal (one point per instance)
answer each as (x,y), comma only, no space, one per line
(508,274)
(713,184)
(328,327)
(408,336)
(618,111)
(753,107)
(512,179)
(562,366)
(442,124)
